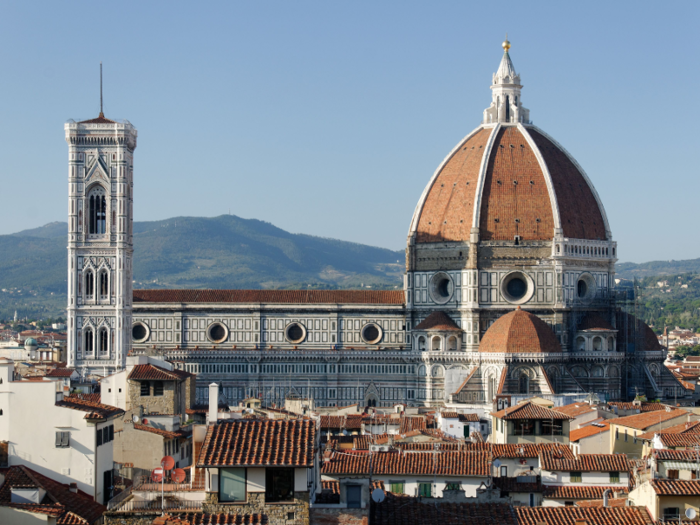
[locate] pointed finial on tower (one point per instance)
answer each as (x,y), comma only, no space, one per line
(102,115)
(506,44)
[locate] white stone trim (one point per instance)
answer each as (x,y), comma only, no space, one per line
(482,175)
(608,232)
(421,202)
(547,177)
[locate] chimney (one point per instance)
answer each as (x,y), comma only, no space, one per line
(605,497)
(213,403)
(73,487)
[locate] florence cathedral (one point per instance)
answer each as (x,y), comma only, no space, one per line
(509,289)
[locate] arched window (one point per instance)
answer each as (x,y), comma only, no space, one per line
(104,347)
(421,343)
(97,211)
(89,283)
(580,343)
(524,384)
(611,344)
(89,341)
(597,344)
(452,343)
(435,344)
(104,284)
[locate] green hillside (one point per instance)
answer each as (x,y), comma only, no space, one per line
(193,252)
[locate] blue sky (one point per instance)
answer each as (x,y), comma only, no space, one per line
(329,118)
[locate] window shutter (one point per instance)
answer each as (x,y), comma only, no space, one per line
(65,439)
(99,437)
(58,439)
(111,432)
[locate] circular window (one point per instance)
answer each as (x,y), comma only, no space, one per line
(585,288)
(371,333)
(217,333)
(140,332)
(295,333)
(441,287)
(517,288)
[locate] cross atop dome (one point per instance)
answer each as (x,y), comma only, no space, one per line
(506,106)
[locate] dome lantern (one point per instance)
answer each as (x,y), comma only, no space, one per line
(506,105)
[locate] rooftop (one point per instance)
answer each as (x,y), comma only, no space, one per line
(529,410)
(588,431)
(578,492)
(259,443)
(438,321)
(645,420)
(94,410)
(519,332)
(584,462)
(153,372)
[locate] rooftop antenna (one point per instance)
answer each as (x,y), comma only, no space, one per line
(102,115)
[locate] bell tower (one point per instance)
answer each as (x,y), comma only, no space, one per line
(100,246)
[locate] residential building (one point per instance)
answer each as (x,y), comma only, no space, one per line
(415,473)
(667,499)
(65,438)
(459,425)
(530,423)
(567,480)
(593,438)
(675,464)
(625,431)
(28,497)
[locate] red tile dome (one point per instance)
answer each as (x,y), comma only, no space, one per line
(519,332)
(508,180)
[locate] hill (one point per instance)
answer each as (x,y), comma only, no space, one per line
(194,252)
(656,268)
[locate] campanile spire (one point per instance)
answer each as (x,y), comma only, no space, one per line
(506,106)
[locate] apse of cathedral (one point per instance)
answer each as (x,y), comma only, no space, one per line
(509,289)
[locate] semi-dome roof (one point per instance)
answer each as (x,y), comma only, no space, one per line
(508,178)
(519,332)
(30,341)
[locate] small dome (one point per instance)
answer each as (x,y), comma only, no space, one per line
(595,322)
(438,321)
(519,332)
(30,341)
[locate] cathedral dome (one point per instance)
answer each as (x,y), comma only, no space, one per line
(508,179)
(519,332)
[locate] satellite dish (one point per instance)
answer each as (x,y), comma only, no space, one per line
(378,495)
(145,421)
(497,463)
(690,514)
(178,475)
(167,463)
(135,418)
(157,474)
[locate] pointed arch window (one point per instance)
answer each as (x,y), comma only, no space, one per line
(89,283)
(524,384)
(104,284)
(89,341)
(103,341)
(97,211)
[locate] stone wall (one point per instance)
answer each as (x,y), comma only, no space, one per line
(165,404)
(143,449)
(277,513)
(339,516)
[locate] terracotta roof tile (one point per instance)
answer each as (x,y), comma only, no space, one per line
(412,423)
(153,372)
(584,463)
(92,398)
(527,450)
(529,410)
(271,296)
(167,434)
(689,427)
(519,332)
(94,410)
(581,217)
(450,415)
(643,407)
(438,321)
(612,502)
(259,443)
(363,442)
(588,430)
(579,492)
(469,418)
(589,515)
(664,454)
(676,487)
(389,463)
(680,440)
(575,409)
(70,507)
(647,419)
